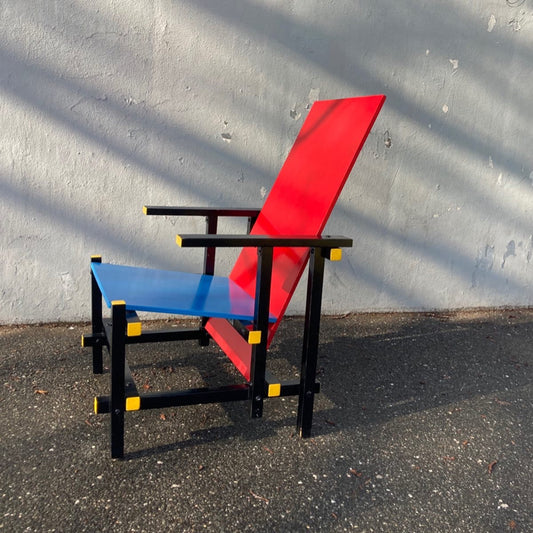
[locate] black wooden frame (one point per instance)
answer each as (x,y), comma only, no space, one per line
(113,333)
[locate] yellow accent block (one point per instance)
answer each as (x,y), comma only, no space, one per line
(335,254)
(95,405)
(274,389)
(96,257)
(118,302)
(133,403)
(178,240)
(145,210)
(83,341)
(134,329)
(254,337)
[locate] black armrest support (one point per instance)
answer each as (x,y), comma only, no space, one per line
(293,241)
(211,214)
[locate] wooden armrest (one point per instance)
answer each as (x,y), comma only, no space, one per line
(292,241)
(201,211)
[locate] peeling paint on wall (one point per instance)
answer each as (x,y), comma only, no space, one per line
(491,23)
(509,252)
(294,114)
(314,95)
(68,285)
(387,139)
(226,135)
(483,265)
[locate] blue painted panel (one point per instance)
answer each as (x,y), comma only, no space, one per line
(164,291)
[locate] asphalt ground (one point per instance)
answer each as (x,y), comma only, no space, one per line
(424,423)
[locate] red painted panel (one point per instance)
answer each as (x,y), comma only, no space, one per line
(306,190)
(232,344)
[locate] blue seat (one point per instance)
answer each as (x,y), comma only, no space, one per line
(166,291)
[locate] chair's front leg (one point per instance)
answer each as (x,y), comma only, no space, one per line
(96,320)
(310,342)
(259,351)
(118,392)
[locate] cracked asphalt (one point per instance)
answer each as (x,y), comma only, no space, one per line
(424,423)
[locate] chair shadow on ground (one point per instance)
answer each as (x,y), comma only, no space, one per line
(369,373)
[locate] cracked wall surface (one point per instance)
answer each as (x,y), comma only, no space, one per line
(107,106)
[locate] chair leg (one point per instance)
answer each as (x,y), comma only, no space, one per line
(211,224)
(96,321)
(118,392)
(203,339)
(259,351)
(310,343)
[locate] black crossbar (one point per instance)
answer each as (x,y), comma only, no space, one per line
(160,400)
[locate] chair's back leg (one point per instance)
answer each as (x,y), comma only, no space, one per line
(211,225)
(310,342)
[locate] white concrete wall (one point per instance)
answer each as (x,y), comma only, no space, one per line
(111,104)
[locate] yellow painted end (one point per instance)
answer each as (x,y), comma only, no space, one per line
(335,254)
(96,257)
(274,389)
(145,210)
(178,240)
(95,405)
(134,329)
(83,341)
(254,337)
(133,403)
(118,302)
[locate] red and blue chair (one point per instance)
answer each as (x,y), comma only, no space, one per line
(240,312)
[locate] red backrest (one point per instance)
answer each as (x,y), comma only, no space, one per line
(306,190)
